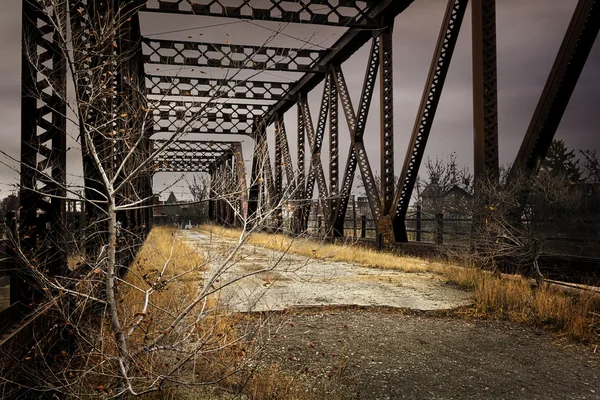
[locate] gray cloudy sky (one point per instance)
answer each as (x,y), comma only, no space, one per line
(529,35)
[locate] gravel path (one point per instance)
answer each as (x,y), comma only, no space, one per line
(391,355)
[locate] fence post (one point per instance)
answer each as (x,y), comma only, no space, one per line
(363,226)
(439,228)
(353,217)
(418,233)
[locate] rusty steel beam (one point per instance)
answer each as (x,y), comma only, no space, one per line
(356,125)
(223,55)
(386,91)
(570,61)
(43,137)
(300,217)
(344,13)
(340,51)
(334,174)
(285,150)
(485,90)
(161,85)
(432,93)
(315,141)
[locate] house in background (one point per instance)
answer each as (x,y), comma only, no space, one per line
(455,202)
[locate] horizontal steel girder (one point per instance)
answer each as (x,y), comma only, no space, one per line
(216,88)
(344,13)
(169,52)
(188,116)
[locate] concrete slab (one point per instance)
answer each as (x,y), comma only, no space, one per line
(278,281)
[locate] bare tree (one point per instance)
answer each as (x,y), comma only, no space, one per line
(125,350)
(512,239)
(591,165)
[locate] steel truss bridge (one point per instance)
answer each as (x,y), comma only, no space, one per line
(248,107)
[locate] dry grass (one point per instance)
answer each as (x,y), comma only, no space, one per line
(573,315)
(333,252)
(227,335)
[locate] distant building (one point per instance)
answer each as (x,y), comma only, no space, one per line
(455,201)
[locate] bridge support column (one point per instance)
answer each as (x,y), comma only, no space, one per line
(385,233)
(43,137)
(300,219)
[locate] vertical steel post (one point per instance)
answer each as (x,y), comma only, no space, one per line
(418,224)
(299,213)
(278,178)
(386,121)
(334,173)
(385,233)
(254,193)
(485,92)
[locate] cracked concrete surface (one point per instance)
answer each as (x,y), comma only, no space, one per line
(279,281)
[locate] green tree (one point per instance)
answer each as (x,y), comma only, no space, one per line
(562,161)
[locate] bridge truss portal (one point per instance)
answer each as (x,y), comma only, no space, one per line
(189,104)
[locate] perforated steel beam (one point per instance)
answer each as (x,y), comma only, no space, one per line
(219,55)
(216,88)
(201,117)
(432,93)
(340,51)
(485,90)
(189,155)
(334,173)
(386,92)
(315,141)
(343,13)
(356,125)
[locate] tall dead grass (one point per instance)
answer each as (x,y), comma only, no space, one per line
(333,252)
(575,315)
(228,339)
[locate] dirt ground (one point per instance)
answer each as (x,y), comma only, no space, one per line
(349,332)
(389,354)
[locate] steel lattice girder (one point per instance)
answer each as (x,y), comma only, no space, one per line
(43,135)
(315,142)
(207,117)
(189,155)
(432,93)
(356,125)
(216,88)
(170,52)
(343,13)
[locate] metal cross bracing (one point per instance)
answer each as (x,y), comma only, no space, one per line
(205,117)
(189,155)
(432,93)
(169,52)
(184,103)
(343,13)
(219,88)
